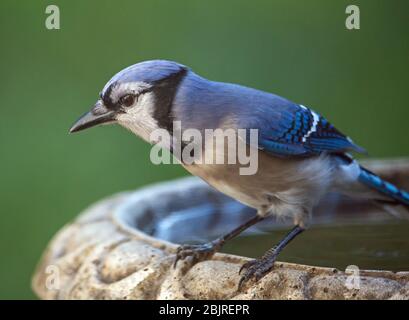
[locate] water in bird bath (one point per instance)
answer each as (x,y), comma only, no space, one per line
(377,246)
(343,231)
(352,234)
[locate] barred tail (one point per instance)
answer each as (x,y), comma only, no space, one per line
(371,180)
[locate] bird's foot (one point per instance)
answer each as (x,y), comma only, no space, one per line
(198,252)
(257,268)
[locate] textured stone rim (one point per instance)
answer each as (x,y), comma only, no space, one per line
(103,254)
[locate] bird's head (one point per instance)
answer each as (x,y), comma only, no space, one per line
(138,98)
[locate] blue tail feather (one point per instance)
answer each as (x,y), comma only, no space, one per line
(375,182)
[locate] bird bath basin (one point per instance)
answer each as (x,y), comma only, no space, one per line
(123,248)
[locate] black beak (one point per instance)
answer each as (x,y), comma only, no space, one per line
(99,114)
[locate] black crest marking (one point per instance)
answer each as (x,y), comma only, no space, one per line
(164,93)
(106,98)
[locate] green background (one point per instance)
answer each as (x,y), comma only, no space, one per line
(301,50)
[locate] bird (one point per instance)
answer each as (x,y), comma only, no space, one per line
(301,155)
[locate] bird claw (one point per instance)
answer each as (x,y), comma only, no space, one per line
(198,252)
(256,269)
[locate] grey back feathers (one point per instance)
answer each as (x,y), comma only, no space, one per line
(201,103)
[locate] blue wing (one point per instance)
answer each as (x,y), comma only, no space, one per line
(299,131)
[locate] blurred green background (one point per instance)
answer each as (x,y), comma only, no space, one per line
(301,50)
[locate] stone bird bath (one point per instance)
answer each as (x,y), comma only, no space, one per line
(123,248)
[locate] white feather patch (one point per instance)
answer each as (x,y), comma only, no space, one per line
(315,121)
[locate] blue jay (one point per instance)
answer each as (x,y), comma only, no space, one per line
(301,155)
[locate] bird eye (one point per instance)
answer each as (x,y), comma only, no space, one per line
(127,100)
